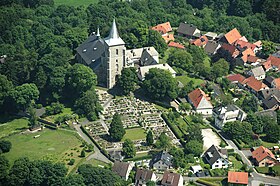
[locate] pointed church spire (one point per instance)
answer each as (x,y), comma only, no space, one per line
(114,31)
(98,34)
(113,38)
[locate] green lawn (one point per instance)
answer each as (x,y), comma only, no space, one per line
(53,145)
(65,111)
(12,125)
(186,79)
(264,170)
(96,163)
(74,2)
(268,144)
(236,164)
(134,134)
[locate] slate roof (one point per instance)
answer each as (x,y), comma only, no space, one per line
(187,29)
(170,179)
(92,50)
(268,80)
(114,39)
(213,154)
(120,168)
(271,102)
(164,156)
(211,47)
(144,175)
(238,177)
(147,57)
(269,92)
(261,153)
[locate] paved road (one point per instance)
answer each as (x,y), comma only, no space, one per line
(97,154)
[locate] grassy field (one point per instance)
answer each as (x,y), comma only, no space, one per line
(65,111)
(236,164)
(265,170)
(134,134)
(74,2)
(185,80)
(96,163)
(12,125)
(53,145)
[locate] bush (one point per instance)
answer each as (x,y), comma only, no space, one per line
(5,146)
(206,182)
(83,153)
(71,162)
(39,106)
(54,108)
(238,157)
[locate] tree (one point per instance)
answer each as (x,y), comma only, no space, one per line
(74,180)
(250,103)
(151,183)
(128,80)
(195,134)
(149,138)
(160,84)
(54,108)
(156,40)
(194,147)
(239,130)
(268,48)
(240,8)
(220,68)
(88,105)
(128,149)
(33,120)
(23,95)
(5,87)
(180,59)
(163,141)
(80,79)
(4,167)
(256,123)
(116,129)
(273,132)
(83,153)
(184,106)
(5,146)
(19,172)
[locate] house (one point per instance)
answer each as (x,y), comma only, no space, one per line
(201,102)
(211,35)
(216,158)
(231,36)
(176,45)
(254,85)
(236,78)
(267,65)
(168,37)
(142,56)
(145,69)
(258,46)
(163,28)
(226,114)
(212,47)
(143,176)
(232,50)
(122,169)
(276,83)
(275,62)
(188,30)
(253,60)
(161,161)
(268,81)
(200,42)
(172,179)
(238,178)
(244,55)
(272,102)
(257,72)
(264,94)
(263,157)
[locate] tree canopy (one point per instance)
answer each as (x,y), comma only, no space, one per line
(128,80)
(116,129)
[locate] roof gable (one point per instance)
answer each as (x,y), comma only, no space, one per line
(238,177)
(261,153)
(120,168)
(232,36)
(176,45)
(163,27)
(213,154)
(187,29)
(196,96)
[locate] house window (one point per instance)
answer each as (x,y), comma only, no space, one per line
(216,165)
(117,51)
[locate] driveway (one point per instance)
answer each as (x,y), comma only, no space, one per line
(210,138)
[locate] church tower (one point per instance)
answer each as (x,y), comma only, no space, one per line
(116,55)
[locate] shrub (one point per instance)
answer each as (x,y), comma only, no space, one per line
(5,146)
(54,108)
(71,162)
(83,153)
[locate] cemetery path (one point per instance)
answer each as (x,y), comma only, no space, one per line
(97,154)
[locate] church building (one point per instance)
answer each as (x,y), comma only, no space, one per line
(107,57)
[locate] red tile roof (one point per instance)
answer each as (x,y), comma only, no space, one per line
(277,82)
(168,37)
(267,65)
(238,177)
(244,44)
(176,45)
(231,49)
(196,96)
(203,40)
(258,43)
(232,36)
(171,179)
(261,153)
(254,84)
(275,61)
(236,77)
(246,53)
(253,59)
(163,28)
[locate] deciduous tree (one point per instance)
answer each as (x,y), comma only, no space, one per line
(116,129)
(128,149)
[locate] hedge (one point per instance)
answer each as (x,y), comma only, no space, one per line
(237,144)
(138,158)
(103,151)
(164,105)
(206,182)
